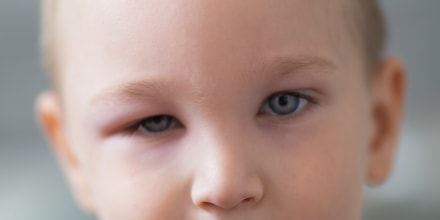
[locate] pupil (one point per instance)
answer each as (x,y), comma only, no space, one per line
(157,120)
(283,100)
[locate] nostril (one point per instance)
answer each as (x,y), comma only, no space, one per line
(206,205)
(248,200)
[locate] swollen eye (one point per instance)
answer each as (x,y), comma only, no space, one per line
(157,123)
(284,104)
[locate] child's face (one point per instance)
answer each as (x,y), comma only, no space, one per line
(214,110)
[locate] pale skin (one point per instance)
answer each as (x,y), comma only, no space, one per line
(213,66)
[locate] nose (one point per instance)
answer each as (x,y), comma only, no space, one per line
(226,179)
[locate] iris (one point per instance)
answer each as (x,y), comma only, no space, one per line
(157,123)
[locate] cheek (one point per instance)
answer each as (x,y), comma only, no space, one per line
(135,198)
(129,182)
(324,166)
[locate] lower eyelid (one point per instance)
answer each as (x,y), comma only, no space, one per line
(290,118)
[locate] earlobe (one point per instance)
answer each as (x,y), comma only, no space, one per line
(49,116)
(387,103)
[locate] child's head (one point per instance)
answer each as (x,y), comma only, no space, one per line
(203,109)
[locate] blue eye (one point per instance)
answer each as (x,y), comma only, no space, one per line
(284,104)
(157,124)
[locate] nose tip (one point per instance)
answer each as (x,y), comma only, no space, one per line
(227,194)
(226,177)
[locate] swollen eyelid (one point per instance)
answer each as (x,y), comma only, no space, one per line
(156,124)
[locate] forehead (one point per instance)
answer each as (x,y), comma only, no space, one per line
(140,21)
(121,41)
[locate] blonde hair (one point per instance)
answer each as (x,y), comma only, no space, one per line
(47,39)
(370,26)
(366,22)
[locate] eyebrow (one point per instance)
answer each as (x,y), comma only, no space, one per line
(283,66)
(280,67)
(131,90)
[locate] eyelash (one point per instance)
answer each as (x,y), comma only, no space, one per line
(137,126)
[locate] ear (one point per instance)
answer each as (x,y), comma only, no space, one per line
(388,92)
(49,116)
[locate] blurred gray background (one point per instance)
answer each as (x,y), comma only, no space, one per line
(31,184)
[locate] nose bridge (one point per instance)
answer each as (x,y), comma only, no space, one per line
(227,175)
(227,156)
(228,144)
